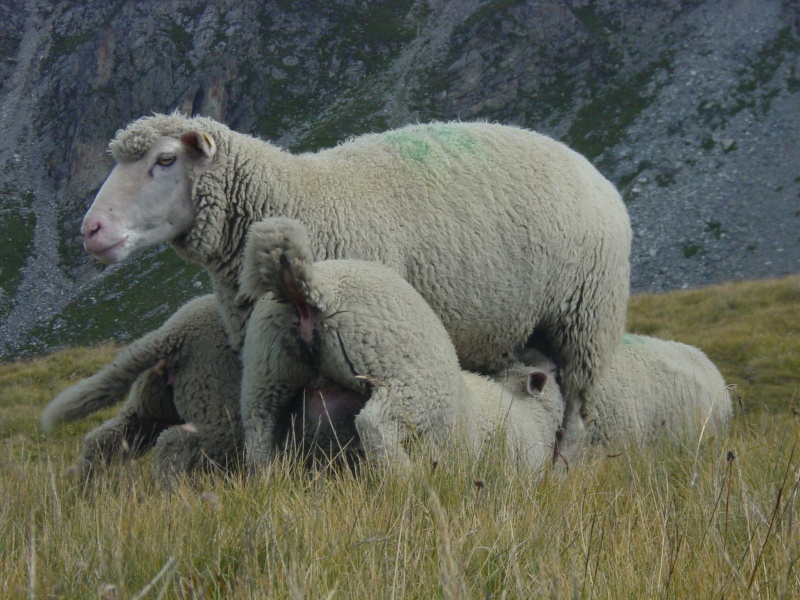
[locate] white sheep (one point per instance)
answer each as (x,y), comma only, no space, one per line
(523,406)
(652,388)
(655,387)
(508,235)
(184,397)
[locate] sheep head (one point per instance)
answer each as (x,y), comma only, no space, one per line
(147,198)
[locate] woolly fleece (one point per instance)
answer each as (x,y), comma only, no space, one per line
(504,232)
(181,373)
(656,387)
(358,324)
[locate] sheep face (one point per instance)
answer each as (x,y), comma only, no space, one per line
(147,201)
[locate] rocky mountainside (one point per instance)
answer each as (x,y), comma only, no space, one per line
(692,107)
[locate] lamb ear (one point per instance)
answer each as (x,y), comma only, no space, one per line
(536,382)
(201,145)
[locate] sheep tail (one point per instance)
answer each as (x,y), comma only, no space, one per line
(104,388)
(277,260)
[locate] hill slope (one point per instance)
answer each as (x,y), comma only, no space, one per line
(690,107)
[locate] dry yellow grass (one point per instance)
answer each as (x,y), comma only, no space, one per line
(674,519)
(660,521)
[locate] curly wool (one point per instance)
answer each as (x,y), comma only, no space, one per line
(133,142)
(377,337)
(372,333)
(655,387)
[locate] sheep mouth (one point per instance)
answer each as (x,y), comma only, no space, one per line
(110,254)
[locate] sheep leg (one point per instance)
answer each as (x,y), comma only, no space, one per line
(276,367)
(148,410)
(382,434)
(107,386)
(126,435)
(183,449)
(585,343)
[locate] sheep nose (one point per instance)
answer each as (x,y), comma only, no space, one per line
(91,228)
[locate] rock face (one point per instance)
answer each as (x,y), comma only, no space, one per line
(690,106)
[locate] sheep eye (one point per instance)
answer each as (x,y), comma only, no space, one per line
(165,160)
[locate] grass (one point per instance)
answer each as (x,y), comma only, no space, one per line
(676,519)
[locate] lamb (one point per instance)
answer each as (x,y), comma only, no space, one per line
(185,373)
(655,387)
(652,388)
(523,405)
(508,235)
(359,325)
(184,398)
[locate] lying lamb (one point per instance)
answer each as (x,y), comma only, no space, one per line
(184,399)
(654,387)
(507,234)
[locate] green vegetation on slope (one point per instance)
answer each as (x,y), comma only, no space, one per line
(155,285)
(17,223)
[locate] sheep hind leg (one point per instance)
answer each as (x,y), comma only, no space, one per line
(122,437)
(184,450)
(584,341)
(276,367)
(381,433)
(148,410)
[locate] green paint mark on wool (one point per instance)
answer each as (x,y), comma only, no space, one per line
(409,146)
(421,143)
(452,138)
(632,338)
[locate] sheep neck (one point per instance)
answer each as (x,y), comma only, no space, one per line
(236,192)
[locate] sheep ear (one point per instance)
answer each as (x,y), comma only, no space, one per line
(536,382)
(201,145)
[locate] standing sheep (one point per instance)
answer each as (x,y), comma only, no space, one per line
(508,235)
(184,373)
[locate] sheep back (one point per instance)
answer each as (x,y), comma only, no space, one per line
(653,386)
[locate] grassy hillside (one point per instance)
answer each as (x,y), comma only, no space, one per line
(682,518)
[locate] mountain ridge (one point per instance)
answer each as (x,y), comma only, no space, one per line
(690,107)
